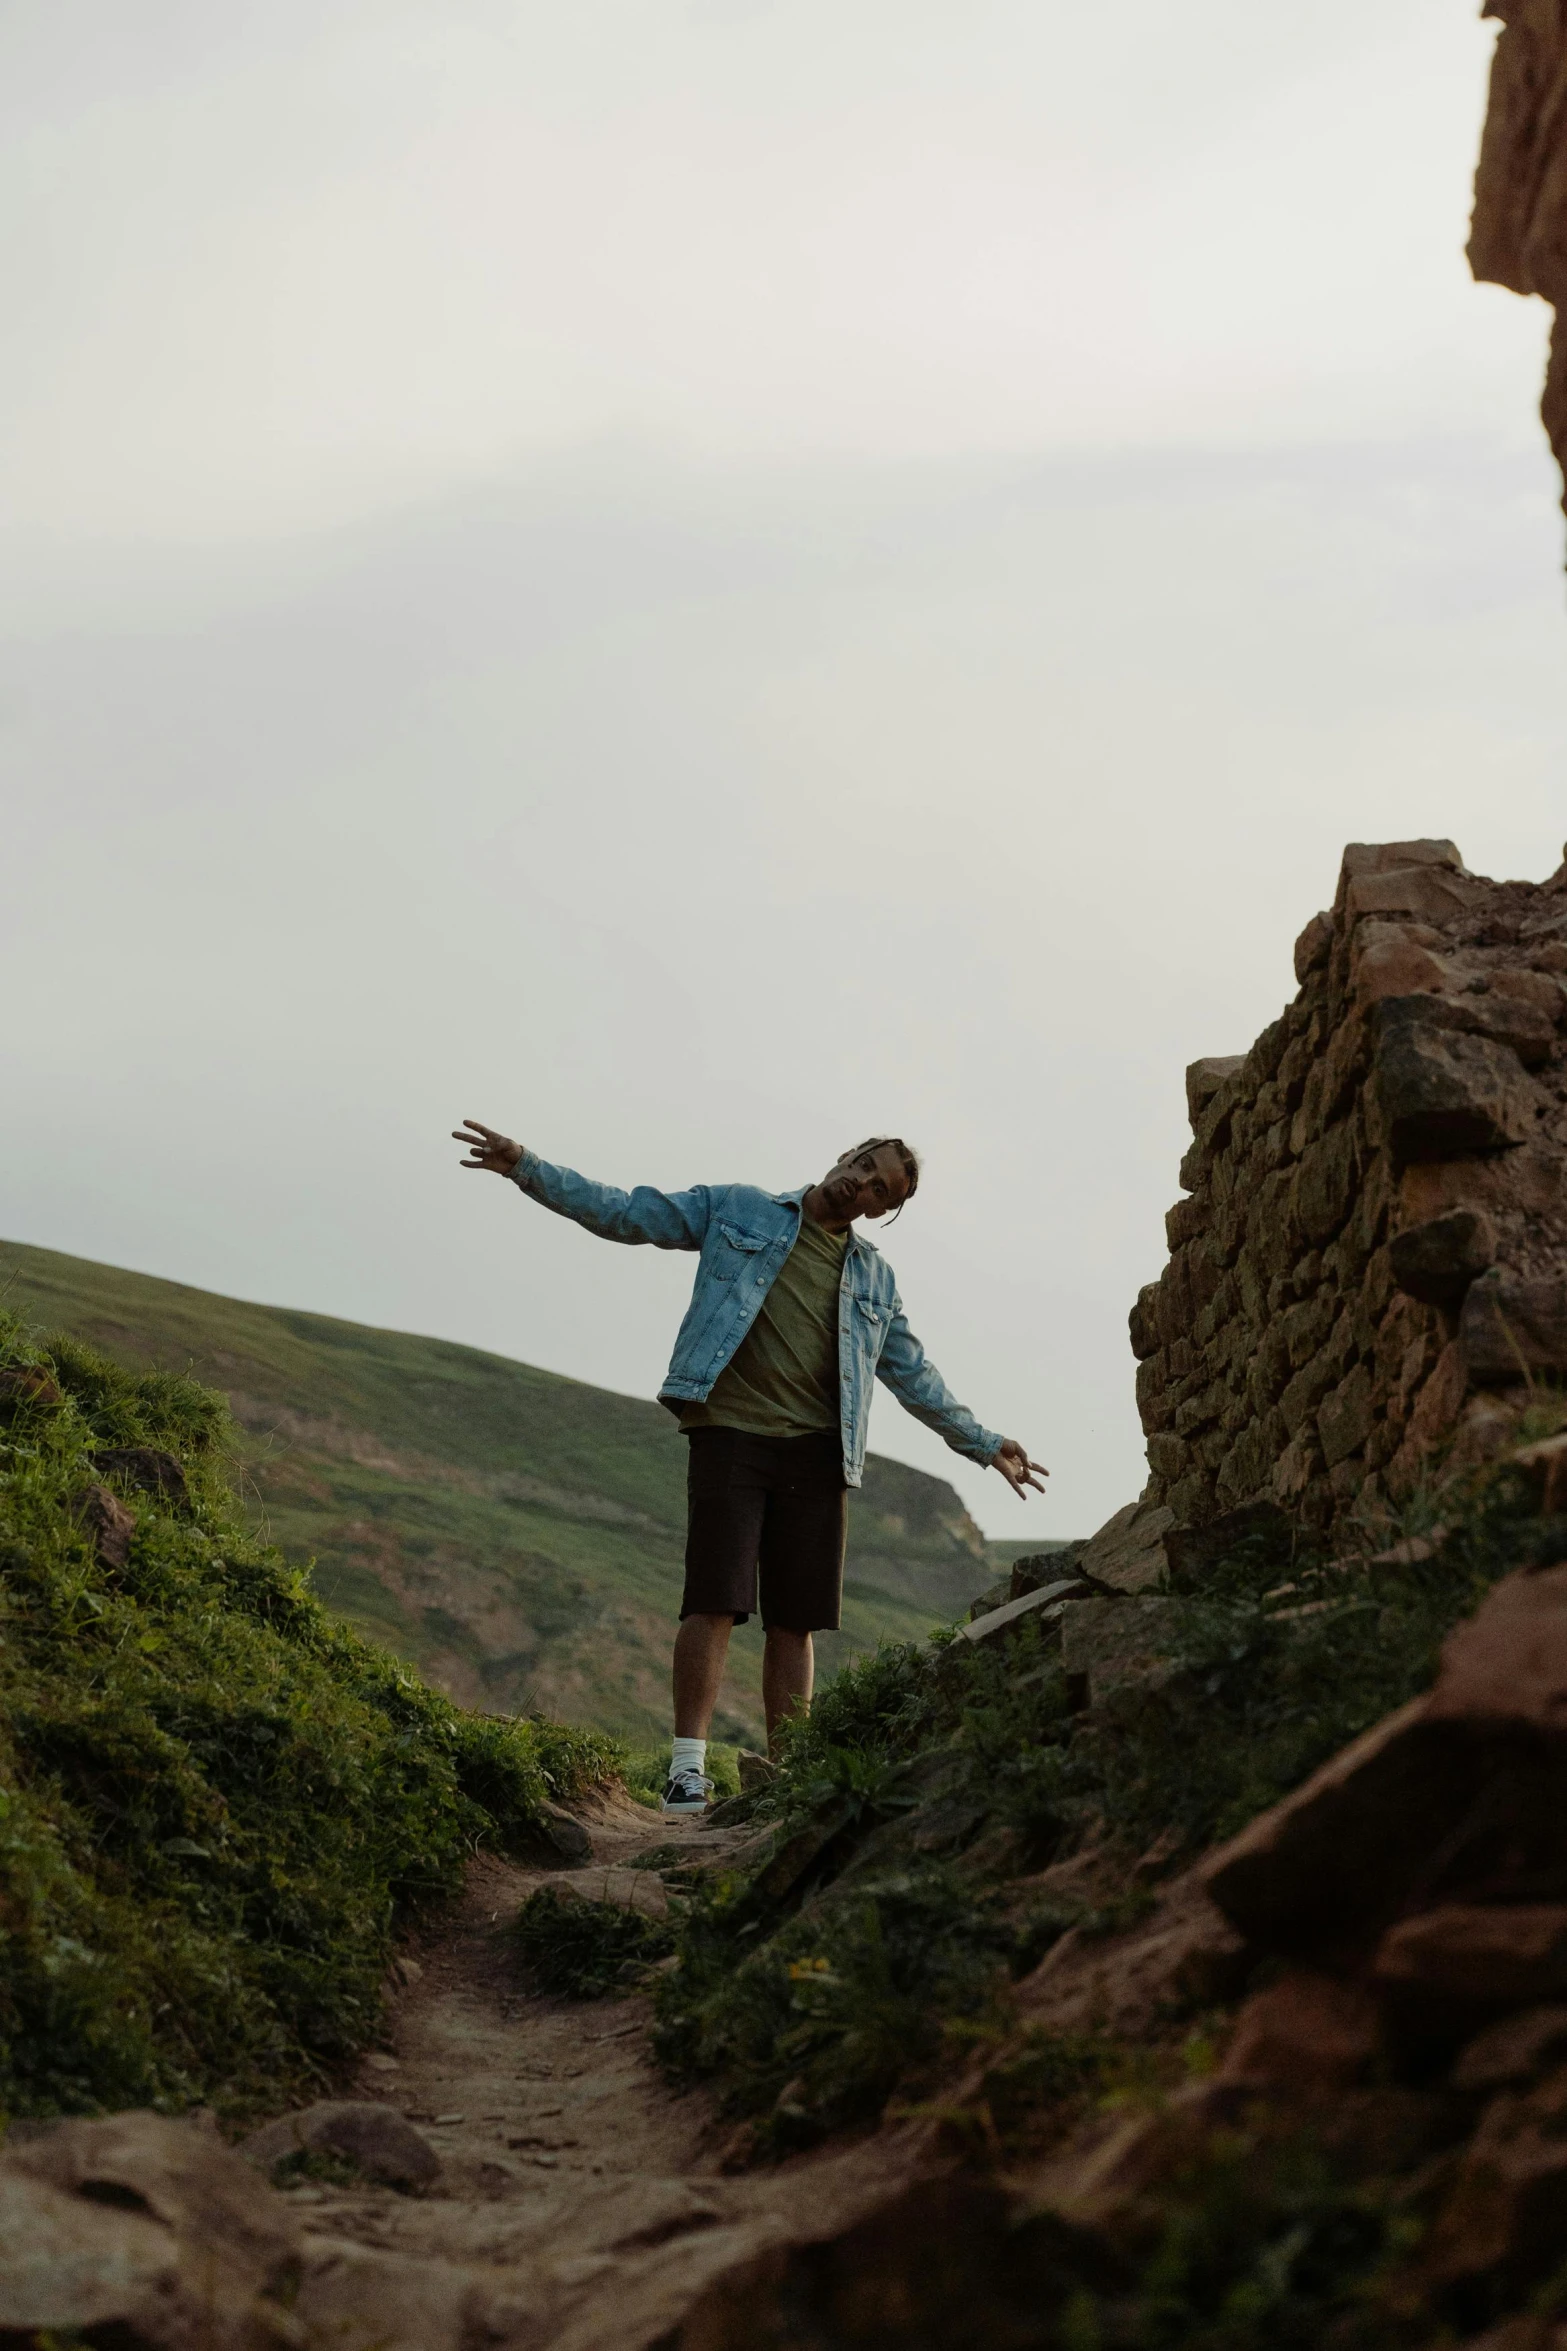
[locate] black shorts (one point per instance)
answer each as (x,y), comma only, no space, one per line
(774,1503)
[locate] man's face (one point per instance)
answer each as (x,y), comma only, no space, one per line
(866,1183)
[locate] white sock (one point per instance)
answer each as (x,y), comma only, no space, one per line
(688,1755)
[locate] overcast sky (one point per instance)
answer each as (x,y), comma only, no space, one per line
(697,580)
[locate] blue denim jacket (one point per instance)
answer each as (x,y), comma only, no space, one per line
(744,1236)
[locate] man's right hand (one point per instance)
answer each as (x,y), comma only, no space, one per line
(495,1153)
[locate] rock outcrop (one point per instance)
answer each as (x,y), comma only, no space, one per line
(1370,1263)
(1518,236)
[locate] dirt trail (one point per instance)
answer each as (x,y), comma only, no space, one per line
(582,2204)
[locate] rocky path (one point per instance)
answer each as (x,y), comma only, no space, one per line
(582,2202)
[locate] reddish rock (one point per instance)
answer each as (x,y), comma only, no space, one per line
(565,1834)
(110,1524)
(1306,2033)
(1108,1643)
(1428,892)
(1345,1848)
(1440,1092)
(1439,1403)
(1474,1955)
(1105,2185)
(1392,963)
(1205,1077)
(1314,946)
(1183,1956)
(1127,1552)
(1347,1417)
(27,1383)
(1520,2334)
(1506,1669)
(1436,1261)
(1377,857)
(1528,1180)
(164,2234)
(1514,2051)
(1518,235)
(1503,2219)
(1529,987)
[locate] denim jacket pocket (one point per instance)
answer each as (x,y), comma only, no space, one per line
(734,1252)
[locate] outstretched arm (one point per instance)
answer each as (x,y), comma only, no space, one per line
(919,1387)
(669,1220)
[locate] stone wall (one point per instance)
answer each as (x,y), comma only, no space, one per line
(1370,1262)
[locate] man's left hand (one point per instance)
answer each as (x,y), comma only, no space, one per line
(1017,1469)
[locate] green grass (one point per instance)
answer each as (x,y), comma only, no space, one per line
(515,1535)
(585,1949)
(216,1803)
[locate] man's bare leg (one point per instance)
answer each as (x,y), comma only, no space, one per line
(788,1670)
(701,1646)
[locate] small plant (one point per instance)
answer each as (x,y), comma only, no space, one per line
(585,1949)
(823,2019)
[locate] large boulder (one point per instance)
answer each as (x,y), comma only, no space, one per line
(1346,1847)
(1392,1824)
(1476,1955)
(1306,2034)
(1127,1553)
(1505,1670)
(149,2233)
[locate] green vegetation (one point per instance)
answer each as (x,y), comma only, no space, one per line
(585,1949)
(1265,2245)
(514,1535)
(929,1782)
(216,1803)
(816,2023)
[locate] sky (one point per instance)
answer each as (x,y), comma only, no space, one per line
(699,581)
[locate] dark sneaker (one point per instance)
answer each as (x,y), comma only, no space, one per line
(685,1791)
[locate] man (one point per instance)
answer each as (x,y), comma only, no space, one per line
(791,1316)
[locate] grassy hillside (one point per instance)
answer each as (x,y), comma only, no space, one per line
(514,1534)
(216,1804)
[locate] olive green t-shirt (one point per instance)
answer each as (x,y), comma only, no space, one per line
(782,1380)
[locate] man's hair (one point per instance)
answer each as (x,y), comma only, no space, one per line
(909,1157)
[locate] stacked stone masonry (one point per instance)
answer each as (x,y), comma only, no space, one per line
(1369,1269)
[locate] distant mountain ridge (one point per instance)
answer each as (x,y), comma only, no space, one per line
(514,1533)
